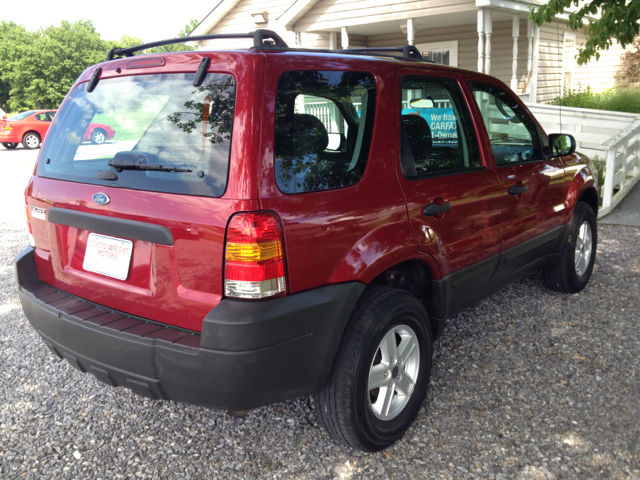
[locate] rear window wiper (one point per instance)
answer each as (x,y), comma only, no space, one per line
(120,165)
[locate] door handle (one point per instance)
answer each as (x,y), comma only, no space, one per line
(435,209)
(518,188)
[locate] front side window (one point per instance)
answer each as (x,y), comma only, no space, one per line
(513,135)
(43,117)
(145,132)
(436,132)
(323,129)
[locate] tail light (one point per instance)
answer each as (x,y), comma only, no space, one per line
(254,256)
(26,211)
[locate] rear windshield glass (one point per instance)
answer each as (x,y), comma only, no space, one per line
(324,124)
(145,132)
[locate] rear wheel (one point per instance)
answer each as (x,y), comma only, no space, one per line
(98,136)
(381,372)
(31,140)
(573,271)
(10,146)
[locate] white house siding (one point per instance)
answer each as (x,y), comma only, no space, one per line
(239,20)
(467,37)
(333,14)
(603,73)
(600,75)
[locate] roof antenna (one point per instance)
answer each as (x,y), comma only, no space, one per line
(561,48)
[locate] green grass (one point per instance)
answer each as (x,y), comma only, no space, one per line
(615,99)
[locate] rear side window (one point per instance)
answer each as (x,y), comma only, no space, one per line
(323,129)
(146,132)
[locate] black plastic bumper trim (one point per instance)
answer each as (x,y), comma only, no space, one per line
(249,353)
(117,227)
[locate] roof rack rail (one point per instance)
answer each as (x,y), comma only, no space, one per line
(408,51)
(262,39)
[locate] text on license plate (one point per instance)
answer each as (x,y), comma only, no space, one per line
(108,256)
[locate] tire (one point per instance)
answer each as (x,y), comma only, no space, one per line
(10,146)
(572,273)
(31,140)
(98,136)
(352,412)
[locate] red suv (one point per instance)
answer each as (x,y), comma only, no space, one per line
(277,222)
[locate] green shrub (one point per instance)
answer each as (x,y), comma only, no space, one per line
(600,166)
(620,99)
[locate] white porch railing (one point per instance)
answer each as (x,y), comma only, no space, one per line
(623,166)
(613,137)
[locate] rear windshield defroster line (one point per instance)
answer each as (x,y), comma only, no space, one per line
(158,120)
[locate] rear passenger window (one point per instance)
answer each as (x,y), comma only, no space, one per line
(436,131)
(323,129)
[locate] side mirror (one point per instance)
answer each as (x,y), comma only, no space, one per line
(421,103)
(561,144)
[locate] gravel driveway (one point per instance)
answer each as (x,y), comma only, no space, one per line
(528,384)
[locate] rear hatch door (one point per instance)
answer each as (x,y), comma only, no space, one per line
(137,222)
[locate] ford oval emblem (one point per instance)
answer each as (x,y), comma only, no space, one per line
(101,198)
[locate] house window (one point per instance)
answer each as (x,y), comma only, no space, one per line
(444,53)
(568,60)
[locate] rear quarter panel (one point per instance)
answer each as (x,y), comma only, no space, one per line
(350,233)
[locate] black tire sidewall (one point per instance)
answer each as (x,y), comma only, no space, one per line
(377,434)
(9,145)
(582,213)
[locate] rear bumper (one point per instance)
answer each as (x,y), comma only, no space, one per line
(10,138)
(249,353)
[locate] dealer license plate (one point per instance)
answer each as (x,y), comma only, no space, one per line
(108,256)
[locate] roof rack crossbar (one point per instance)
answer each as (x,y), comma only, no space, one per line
(262,39)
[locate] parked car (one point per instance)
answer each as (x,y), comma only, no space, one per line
(30,128)
(224,255)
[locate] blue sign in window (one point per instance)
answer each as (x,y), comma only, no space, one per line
(442,122)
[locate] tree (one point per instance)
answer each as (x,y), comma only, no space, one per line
(178,47)
(631,60)
(43,65)
(618,20)
(128,41)
(15,40)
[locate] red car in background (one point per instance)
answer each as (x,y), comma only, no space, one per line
(30,128)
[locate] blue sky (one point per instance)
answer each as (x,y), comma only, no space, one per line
(149,20)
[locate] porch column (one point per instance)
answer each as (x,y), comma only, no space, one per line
(298,39)
(514,66)
(529,49)
(488,29)
(345,38)
(480,40)
(411,34)
(333,40)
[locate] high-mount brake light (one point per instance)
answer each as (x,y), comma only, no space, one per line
(254,256)
(145,62)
